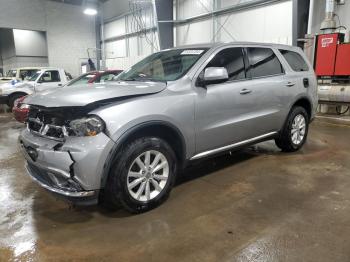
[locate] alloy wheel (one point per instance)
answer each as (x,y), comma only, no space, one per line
(148,175)
(298,129)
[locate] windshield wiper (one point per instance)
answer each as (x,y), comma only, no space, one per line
(143,79)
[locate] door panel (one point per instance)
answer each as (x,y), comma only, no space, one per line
(235,111)
(49,79)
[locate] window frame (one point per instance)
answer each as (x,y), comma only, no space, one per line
(42,76)
(276,55)
(204,65)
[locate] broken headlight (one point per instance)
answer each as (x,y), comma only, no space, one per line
(87,126)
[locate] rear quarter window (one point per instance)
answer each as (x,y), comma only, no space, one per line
(295,60)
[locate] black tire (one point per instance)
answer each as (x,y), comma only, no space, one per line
(13,98)
(284,140)
(116,192)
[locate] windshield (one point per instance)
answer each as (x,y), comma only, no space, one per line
(83,79)
(163,66)
(35,76)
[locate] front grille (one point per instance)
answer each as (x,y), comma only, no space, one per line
(48,123)
(47,130)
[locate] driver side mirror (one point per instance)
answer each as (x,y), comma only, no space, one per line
(213,75)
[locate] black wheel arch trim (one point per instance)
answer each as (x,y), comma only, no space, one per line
(123,138)
(300,98)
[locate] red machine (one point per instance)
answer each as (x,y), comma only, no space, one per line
(342,64)
(332,57)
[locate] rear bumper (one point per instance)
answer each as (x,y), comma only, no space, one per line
(4,99)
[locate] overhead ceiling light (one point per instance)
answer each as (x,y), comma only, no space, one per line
(90,11)
(90,7)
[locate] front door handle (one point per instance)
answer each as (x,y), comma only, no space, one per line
(245,91)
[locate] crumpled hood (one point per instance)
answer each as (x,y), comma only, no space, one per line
(82,95)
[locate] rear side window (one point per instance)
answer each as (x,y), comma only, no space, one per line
(263,62)
(232,60)
(295,60)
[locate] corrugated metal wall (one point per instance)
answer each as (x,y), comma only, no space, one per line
(268,23)
(271,23)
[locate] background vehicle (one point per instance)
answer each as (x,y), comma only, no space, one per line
(19,74)
(95,77)
(128,139)
(43,79)
(20,110)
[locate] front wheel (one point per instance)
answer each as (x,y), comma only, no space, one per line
(13,98)
(294,133)
(142,176)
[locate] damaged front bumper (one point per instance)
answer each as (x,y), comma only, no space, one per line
(72,169)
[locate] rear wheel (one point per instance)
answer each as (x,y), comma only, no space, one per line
(142,175)
(294,133)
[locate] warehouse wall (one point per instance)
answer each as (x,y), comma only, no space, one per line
(124,45)
(69,32)
(23,48)
(7,49)
(270,23)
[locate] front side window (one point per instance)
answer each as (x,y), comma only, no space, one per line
(106,77)
(232,59)
(163,66)
(263,62)
(295,60)
(50,76)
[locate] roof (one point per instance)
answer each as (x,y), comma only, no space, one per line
(27,67)
(240,43)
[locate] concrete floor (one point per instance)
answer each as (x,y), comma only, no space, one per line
(256,205)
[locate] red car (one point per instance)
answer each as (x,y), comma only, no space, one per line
(20,110)
(95,77)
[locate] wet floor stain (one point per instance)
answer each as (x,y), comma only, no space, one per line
(257,204)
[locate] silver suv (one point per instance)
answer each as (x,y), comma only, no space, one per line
(124,142)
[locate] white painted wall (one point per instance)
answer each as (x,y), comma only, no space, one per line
(69,31)
(30,43)
(69,34)
(271,23)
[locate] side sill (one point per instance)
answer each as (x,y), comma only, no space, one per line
(232,146)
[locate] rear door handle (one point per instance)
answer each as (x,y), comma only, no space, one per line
(306,82)
(245,91)
(290,84)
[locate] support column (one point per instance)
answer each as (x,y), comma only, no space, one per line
(164,12)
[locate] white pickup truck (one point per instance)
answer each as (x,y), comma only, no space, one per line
(43,79)
(19,74)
